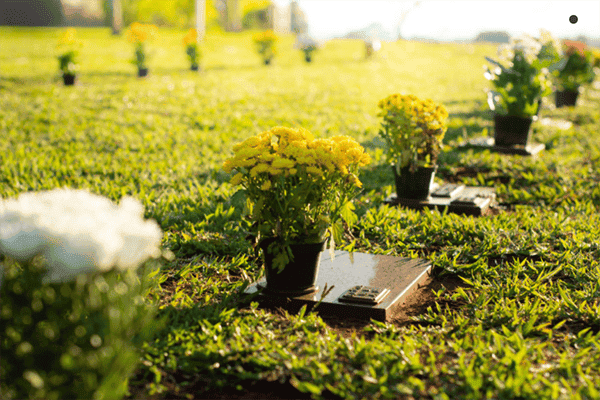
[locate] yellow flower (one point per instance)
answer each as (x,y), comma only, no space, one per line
(68,39)
(191,37)
(412,127)
(258,169)
(314,171)
(228,165)
(237,179)
(266,36)
(283,163)
(139,33)
(266,185)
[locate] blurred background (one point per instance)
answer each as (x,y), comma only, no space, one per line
(437,21)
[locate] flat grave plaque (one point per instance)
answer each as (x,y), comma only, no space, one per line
(459,199)
(530,149)
(364,286)
(448,190)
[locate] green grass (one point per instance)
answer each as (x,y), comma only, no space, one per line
(524,324)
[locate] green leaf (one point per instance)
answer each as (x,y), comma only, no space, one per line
(347,213)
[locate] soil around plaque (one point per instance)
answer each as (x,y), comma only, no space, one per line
(415,304)
(251,389)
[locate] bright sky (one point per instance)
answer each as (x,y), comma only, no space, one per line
(452,20)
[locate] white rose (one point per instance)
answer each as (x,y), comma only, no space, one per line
(77,232)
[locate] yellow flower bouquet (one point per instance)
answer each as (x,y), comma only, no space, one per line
(190,40)
(265,42)
(139,34)
(298,188)
(68,48)
(413,130)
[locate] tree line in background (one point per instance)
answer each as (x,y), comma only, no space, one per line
(226,14)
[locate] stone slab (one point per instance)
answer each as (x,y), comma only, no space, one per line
(530,149)
(459,199)
(347,270)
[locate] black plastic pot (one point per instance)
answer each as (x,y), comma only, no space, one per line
(413,185)
(299,275)
(566,98)
(69,79)
(142,72)
(194,67)
(510,130)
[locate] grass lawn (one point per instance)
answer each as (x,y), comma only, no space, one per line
(513,307)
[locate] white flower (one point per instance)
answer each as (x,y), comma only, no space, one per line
(506,53)
(77,232)
(528,46)
(546,38)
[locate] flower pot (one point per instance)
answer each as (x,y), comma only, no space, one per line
(142,72)
(414,185)
(510,130)
(308,58)
(299,275)
(194,68)
(566,98)
(267,62)
(69,79)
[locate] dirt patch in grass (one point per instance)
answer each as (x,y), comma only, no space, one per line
(415,304)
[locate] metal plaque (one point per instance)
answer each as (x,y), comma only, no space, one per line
(448,190)
(364,295)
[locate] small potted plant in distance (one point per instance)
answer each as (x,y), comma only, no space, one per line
(138,34)
(520,80)
(298,190)
(372,46)
(265,42)
(190,41)
(413,130)
(578,70)
(307,45)
(68,46)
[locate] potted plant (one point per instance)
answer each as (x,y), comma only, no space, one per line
(307,45)
(520,79)
(265,42)
(299,190)
(68,260)
(578,70)
(138,34)
(371,47)
(413,130)
(68,46)
(191,48)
